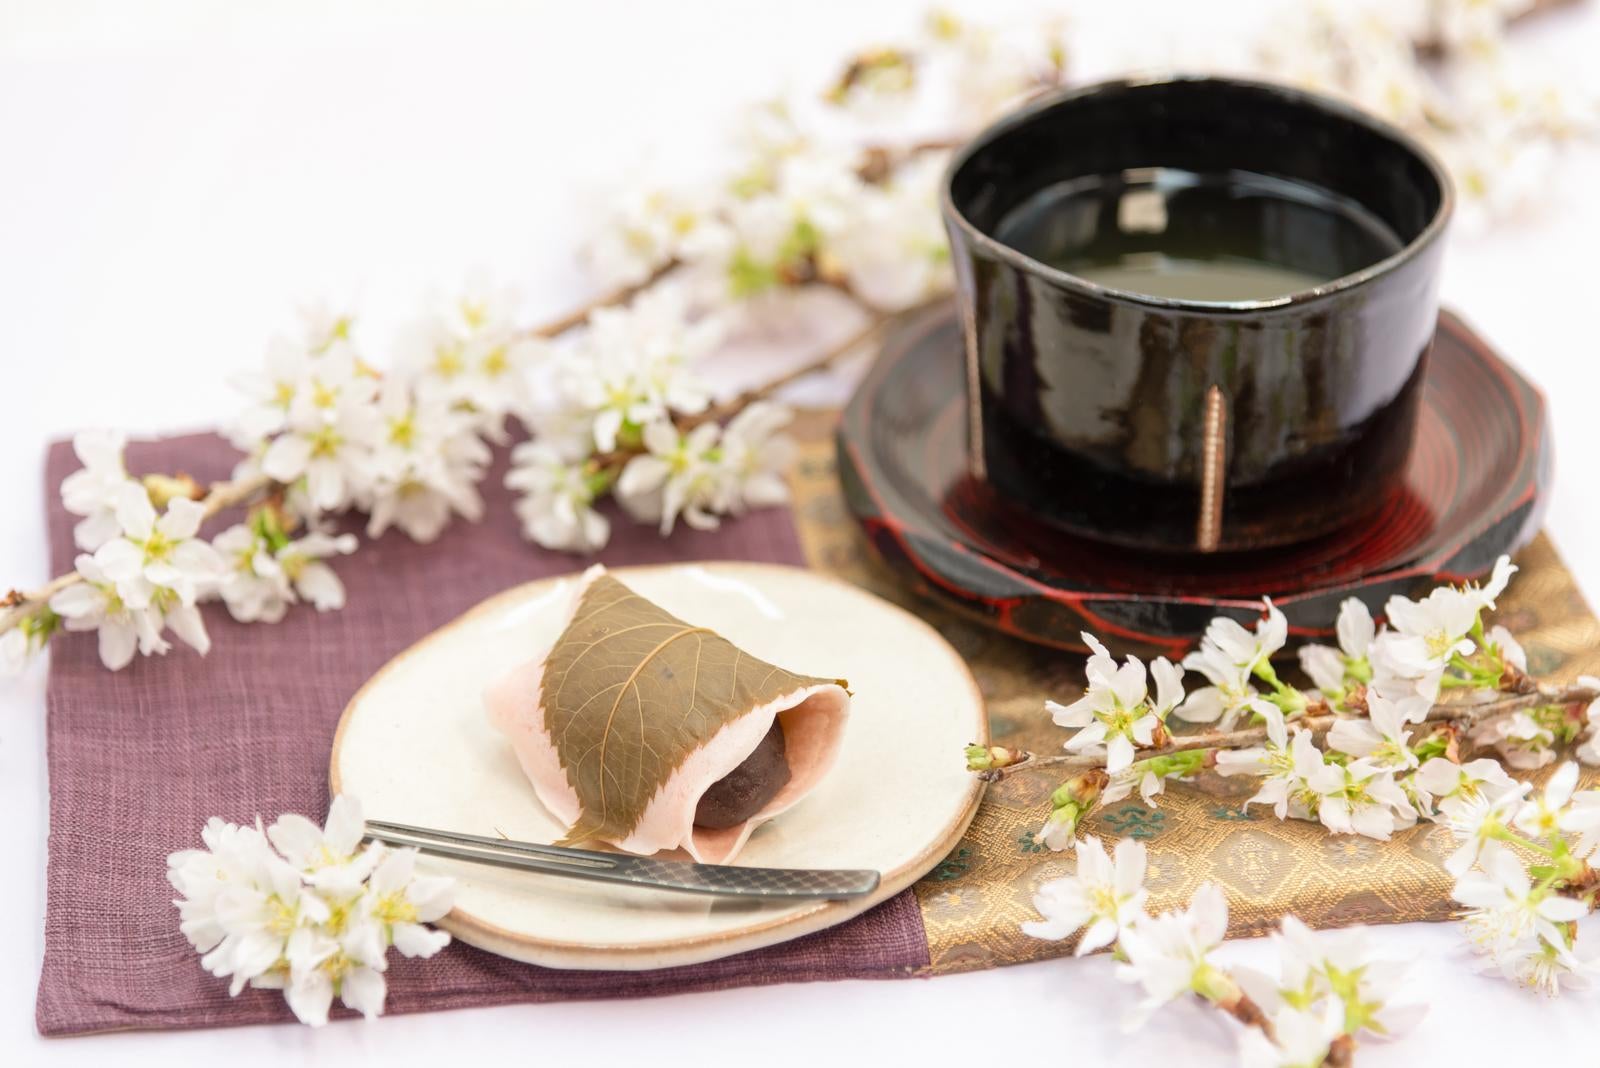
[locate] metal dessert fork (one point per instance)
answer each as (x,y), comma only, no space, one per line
(778,884)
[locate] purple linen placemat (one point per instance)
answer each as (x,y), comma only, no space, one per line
(139,759)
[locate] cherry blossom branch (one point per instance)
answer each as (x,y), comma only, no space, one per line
(732,406)
(609,299)
(1433,49)
(880,161)
(1244,737)
(19,606)
(218,498)
(607,467)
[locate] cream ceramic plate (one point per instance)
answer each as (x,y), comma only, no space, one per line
(416,747)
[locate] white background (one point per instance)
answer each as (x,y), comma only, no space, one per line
(176,179)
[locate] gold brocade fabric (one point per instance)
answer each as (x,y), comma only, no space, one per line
(975,900)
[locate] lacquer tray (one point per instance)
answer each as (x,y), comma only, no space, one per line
(1473,491)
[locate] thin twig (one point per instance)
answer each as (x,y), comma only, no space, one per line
(726,409)
(878,162)
(1434,49)
(1242,1008)
(1456,712)
(620,295)
(226,494)
(222,496)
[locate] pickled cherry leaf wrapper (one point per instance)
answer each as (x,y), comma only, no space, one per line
(634,713)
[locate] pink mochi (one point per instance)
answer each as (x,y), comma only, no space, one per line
(812,717)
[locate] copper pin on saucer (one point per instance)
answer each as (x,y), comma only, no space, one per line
(1213,456)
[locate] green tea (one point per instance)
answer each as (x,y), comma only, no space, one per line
(1212,238)
(1180,278)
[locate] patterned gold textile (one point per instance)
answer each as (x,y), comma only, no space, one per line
(973,902)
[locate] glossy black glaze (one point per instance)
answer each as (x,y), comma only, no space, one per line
(1090,399)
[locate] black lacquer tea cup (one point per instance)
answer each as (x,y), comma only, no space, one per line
(1196,310)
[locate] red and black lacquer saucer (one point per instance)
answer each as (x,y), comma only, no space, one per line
(1473,491)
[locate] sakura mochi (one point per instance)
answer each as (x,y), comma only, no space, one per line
(643,730)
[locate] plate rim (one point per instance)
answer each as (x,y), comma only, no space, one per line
(648,955)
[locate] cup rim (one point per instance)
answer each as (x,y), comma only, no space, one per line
(1044,102)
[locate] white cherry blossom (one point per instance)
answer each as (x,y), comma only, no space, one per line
(1360,799)
(161,551)
(316,921)
(1471,25)
(1546,966)
(1228,657)
(1506,909)
(271,391)
(1428,634)
(635,365)
(425,465)
(763,134)
(1169,955)
(1325,667)
(1449,787)
(1287,786)
(1103,897)
(1355,628)
(202,876)
(651,226)
(1510,650)
(260,583)
(755,455)
(332,853)
(1328,666)
(679,475)
(1300,1038)
(332,427)
(792,208)
(989,67)
(1546,813)
(1341,966)
(470,356)
(1522,741)
(93,490)
(1580,822)
(1382,740)
(401,902)
(1138,775)
(1113,713)
(158,563)
(1059,829)
(259,914)
(1588,749)
(253,586)
(556,502)
(325,327)
(1477,820)
(121,613)
(322,965)
(302,561)
(895,252)
(877,83)
(1271,759)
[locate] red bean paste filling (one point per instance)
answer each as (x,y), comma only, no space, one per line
(748,788)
